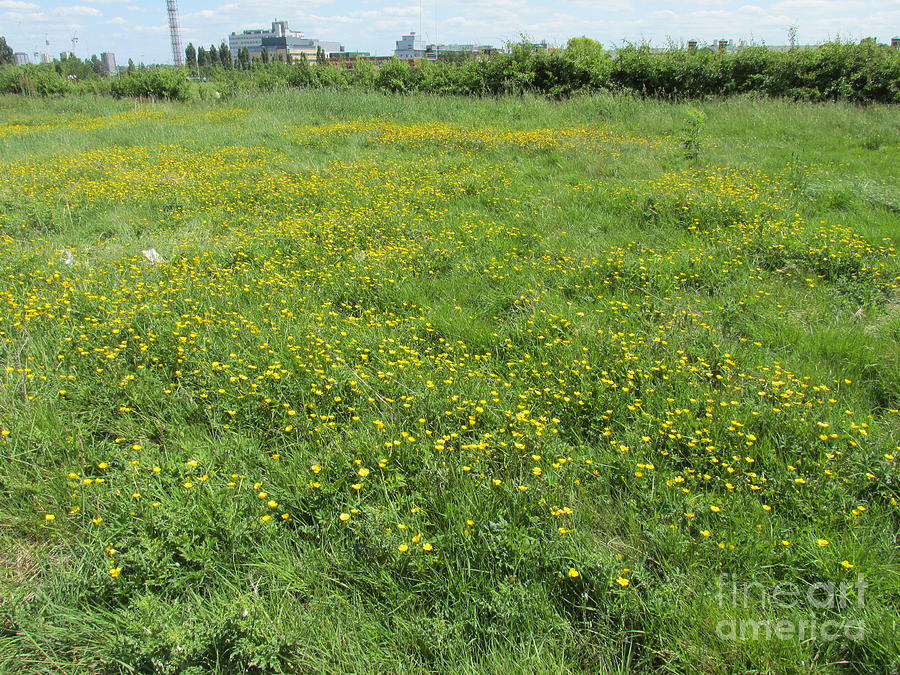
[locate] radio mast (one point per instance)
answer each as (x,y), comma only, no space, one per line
(175,33)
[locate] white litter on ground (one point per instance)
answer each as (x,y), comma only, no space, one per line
(151,255)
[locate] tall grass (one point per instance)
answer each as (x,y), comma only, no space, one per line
(441,384)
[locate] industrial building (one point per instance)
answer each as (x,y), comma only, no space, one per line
(21,58)
(280,42)
(109,63)
(411,47)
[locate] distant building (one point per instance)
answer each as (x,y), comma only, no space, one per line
(349,56)
(280,43)
(109,63)
(437,52)
(21,58)
(410,47)
(349,62)
(45,58)
(535,47)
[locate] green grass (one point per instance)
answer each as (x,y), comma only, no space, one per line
(531,335)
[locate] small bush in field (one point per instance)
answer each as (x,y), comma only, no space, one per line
(162,84)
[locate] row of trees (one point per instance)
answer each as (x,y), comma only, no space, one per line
(861,73)
(213,57)
(207,60)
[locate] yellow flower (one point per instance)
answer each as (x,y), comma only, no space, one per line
(706,533)
(115,571)
(847,564)
(363,472)
(403,548)
(427,547)
(266,518)
(49,517)
(573,573)
(344,516)
(622,581)
(822,542)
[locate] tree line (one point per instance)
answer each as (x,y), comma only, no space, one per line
(864,72)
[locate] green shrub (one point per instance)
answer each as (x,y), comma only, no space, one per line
(394,76)
(34,81)
(161,83)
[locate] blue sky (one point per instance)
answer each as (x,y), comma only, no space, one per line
(138,28)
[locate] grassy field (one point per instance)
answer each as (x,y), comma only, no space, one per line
(442,385)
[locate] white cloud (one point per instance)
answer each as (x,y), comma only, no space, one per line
(76,10)
(13,4)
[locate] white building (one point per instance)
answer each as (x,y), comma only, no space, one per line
(21,58)
(280,42)
(410,47)
(253,39)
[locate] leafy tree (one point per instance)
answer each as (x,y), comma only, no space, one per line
(97,65)
(301,74)
(320,56)
(130,66)
(6,52)
(190,56)
(225,56)
(243,58)
(212,56)
(264,55)
(201,57)
(73,66)
(394,76)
